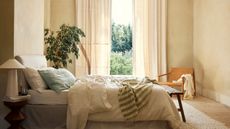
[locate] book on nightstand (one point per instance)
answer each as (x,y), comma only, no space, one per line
(16,98)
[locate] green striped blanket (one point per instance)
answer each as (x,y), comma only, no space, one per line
(133,95)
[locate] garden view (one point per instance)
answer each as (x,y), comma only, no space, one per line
(121,48)
(121,51)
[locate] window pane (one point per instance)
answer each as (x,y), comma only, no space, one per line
(121,50)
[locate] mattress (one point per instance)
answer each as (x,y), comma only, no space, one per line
(48,97)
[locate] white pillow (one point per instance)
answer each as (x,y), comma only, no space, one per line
(34,79)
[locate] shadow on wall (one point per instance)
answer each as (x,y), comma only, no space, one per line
(199,76)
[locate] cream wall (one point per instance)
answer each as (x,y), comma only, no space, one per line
(28,27)
(212,48)
(47,7)
(60,12)
(180,33)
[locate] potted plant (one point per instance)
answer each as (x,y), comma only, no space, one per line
(61,43)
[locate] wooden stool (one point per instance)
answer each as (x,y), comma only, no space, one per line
(15,117)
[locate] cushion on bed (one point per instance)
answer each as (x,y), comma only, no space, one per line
(58,79)
(34,79)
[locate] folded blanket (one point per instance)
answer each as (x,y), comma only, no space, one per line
(133,95)
(188,86)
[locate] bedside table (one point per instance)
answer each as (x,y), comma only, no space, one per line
(15,117)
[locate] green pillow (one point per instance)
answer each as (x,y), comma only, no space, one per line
(58,79)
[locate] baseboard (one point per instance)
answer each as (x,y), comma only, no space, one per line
(224,99)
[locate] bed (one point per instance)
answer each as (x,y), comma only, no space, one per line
(50,110)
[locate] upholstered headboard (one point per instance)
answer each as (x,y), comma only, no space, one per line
(35,61)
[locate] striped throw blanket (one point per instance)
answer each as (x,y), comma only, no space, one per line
(133,95)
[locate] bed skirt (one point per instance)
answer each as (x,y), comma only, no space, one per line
(54,117)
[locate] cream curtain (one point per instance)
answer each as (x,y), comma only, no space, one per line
(149,40)
(94,18)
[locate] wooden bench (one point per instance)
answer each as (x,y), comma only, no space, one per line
(171,91)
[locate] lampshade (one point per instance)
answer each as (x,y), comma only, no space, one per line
(11,64)
(12,82)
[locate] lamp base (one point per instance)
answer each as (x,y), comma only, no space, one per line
(12,84)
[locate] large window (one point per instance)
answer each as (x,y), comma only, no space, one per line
(121,50)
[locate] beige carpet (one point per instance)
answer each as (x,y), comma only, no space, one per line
(198,120)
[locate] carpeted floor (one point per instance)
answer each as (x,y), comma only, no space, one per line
(199,120)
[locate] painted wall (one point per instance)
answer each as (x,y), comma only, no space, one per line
(21,32)
(212,48)
(6,29)
(180,33)
(47,7)
(60,12)
(28,27)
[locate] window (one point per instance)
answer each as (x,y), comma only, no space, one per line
(121,48)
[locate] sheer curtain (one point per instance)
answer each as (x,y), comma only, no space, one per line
(149,37)
(94,18)
(149,40)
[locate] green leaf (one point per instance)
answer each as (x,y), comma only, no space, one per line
(61,43)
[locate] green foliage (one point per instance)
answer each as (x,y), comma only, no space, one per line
(121,63)
(61,43)
(121,38)
(121,57)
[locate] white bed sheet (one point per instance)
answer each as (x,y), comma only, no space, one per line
(48,97)
(82,98)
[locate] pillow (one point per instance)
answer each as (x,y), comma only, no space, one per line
(58,79)
(34,79)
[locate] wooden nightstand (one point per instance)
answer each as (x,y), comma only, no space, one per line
(15,117)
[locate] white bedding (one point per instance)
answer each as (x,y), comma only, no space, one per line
(83,103)
(48,97)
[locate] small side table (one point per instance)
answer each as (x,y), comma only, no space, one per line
(15,117)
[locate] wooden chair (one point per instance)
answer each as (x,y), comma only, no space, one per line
(174,74)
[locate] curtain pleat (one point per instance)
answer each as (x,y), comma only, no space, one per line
(94,18)
(149,37)
(149,40)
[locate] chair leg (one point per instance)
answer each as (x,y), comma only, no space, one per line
(181,108)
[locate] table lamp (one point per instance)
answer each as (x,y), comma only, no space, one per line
(12,82)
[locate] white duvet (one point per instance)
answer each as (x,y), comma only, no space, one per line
(95,98)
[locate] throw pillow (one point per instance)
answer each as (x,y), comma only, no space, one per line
(34,79)
(58,79)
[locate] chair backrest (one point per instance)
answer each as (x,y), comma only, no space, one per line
(175,73)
